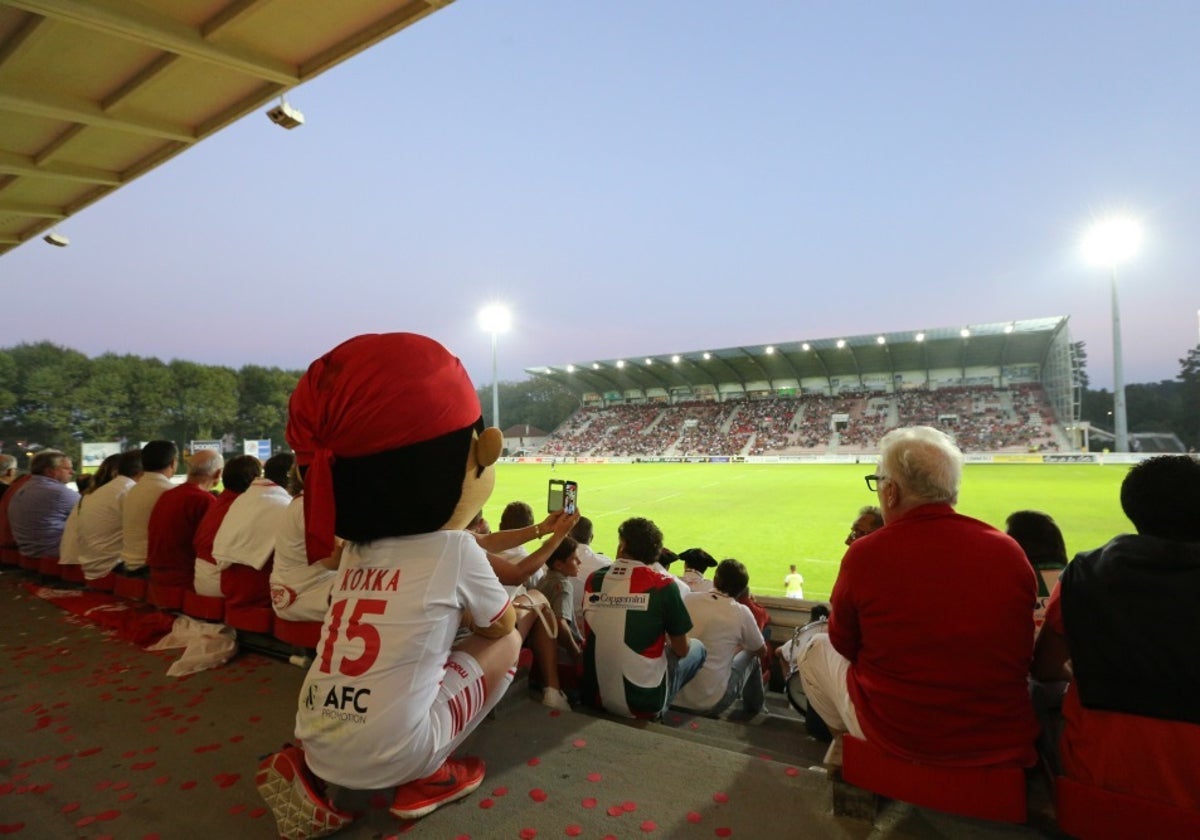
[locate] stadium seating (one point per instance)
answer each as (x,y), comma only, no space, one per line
(48,567)
(990,793)
(126,586)
(102,584)
(250,619)
(205,607)
(10,557)
(1092,813)
(71,572)
(165,597)
(301,634)
(29,564)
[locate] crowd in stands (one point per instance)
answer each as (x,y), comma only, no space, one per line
(1016,418)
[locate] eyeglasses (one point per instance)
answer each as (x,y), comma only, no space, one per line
(873,481)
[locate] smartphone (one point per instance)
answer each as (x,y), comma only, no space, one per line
(562,495)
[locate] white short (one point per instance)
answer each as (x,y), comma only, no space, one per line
(823,673)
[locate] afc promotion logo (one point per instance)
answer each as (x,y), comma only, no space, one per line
(345,702)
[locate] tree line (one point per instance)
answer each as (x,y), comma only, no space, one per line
(52,396)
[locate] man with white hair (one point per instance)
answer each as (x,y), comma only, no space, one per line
(175,517)
(930,639)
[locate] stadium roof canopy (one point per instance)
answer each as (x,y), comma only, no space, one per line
(981,345)
(94,93)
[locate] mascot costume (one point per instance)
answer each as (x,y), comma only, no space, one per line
(389,434)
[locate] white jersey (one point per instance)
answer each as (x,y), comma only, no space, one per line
(299,591)
(247,533)
(364,714)
(725,627)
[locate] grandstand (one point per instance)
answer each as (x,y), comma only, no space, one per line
(1001,387)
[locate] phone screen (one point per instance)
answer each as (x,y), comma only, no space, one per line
(570,496)
(554,497)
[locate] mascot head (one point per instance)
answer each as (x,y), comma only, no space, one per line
(388,432)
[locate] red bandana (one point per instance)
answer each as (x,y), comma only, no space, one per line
(373,393)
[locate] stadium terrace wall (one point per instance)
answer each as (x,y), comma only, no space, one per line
(1098,458)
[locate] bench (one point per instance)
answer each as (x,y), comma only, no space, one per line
(1093,813)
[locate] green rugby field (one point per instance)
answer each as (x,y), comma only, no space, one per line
(771,515)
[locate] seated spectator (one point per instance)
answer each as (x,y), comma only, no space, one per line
(173,522)
(68,549)
(637,654)
(518,515)
(238,475)
(734,643)
(8,472)
(663,564)
(101,514)
(589,560)
(917,682)
(245,542)
(868,521)
(8,543)
(300,589)
(1042,541)
(39,508)
(159,460)
(561,568)
(696,561)
(1121,625)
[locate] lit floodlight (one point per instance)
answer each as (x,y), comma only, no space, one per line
(770,350)
(620,363)
(805,347)
(707,356)
(964,332)
(595,366)
(880,340)
(841,343)
(920,337)
(675,359)
(1008,328)
(1112,241)
(495,318)
(649,361)
(570,368)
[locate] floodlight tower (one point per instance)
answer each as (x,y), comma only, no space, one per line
(495,318)
(1108,243)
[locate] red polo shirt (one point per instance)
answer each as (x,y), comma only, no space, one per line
(206,531)
(171,532)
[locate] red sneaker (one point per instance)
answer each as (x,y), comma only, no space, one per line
(287,785)
(453,780)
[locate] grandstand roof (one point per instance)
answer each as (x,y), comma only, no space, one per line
(977,345)
(94,93)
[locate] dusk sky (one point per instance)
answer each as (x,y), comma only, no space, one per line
(640,178)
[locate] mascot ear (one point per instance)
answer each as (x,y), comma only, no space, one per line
(488,446)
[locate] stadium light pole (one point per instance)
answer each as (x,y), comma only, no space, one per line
(1108,243)
(495,319)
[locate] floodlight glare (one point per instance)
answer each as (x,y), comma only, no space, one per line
(770,350)
(920,337)
(841,343)
(675,359)
(570,368)
(648,361)
(805,347)
(1112,241)
(620,363)
(707,356)
(880,340)
(495,318)
(964,332)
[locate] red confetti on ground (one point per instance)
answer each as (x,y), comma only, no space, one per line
(534,762)
(609,837)
(500,791)
(555,713)
(84,822)
(105,785)
(649,825)
(63,765)
(162,780)
(129,754)
(537,795)
(792,771)
(149,750)
(693,725)
(528,833)
(11,828)
(724,832)
(225,780)
(574,830)
(693,817)
(236,739)
(720,797)
(207,748)
(486,803)
(594,777)
(142,765)
(125,797)
(237,809)
(616,811)
(89,751)
(120,786)
(255,719)
(69,807)
(108,815)
(579,742)
(629,807)
(463,837)
(257,812)
(187,785)
(589,803)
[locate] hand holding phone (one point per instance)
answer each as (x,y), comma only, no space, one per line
(562,495)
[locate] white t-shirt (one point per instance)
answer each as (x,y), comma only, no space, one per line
(299,592)
(100,527)
(135,517)
(68,549)
(696,581)
(725,627)
(247,533)
(396,606)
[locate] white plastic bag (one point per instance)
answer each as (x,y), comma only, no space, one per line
(206,645)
